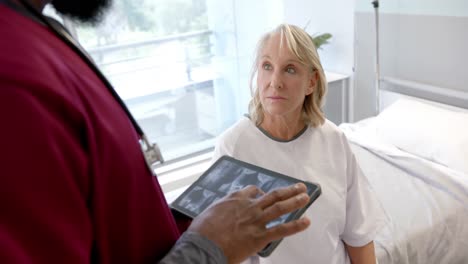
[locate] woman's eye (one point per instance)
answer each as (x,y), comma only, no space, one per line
(290,70)
(267,66)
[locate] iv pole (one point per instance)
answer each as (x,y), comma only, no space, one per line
(375,3)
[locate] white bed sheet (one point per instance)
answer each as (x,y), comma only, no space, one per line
(426,204)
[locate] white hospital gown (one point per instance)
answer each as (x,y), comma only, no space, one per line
(346,211)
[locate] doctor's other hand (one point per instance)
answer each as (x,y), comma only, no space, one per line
(237,222)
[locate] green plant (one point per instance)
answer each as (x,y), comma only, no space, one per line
(321,39)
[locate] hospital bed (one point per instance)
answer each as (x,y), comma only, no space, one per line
(414,154)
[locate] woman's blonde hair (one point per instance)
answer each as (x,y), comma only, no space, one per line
(300,43)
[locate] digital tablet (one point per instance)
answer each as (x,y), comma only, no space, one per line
(227,175)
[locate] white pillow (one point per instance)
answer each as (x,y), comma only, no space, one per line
(431,132)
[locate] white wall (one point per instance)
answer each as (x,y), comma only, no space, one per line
(332,16)
(418,7)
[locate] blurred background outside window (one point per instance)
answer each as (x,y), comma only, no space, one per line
(170,68)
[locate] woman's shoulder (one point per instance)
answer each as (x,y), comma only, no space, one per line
(329,134)
(233,137)
(243,125)
(328,128)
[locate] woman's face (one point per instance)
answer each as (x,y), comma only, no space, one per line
(283,82)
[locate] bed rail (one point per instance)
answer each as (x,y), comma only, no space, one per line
(453,97)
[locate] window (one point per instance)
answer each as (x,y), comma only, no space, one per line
(166,63)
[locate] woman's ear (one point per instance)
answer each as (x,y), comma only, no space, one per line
(312,82)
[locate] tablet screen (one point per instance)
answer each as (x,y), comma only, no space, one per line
(229,175)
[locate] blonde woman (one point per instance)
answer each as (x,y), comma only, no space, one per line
(286,131)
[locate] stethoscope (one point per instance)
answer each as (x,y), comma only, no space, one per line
(151,152)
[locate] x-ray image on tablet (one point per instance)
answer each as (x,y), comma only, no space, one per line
(198,199)
(229,175)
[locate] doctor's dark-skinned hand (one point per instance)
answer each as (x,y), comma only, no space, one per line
(237,223)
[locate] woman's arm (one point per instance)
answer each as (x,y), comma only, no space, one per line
(362,255)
